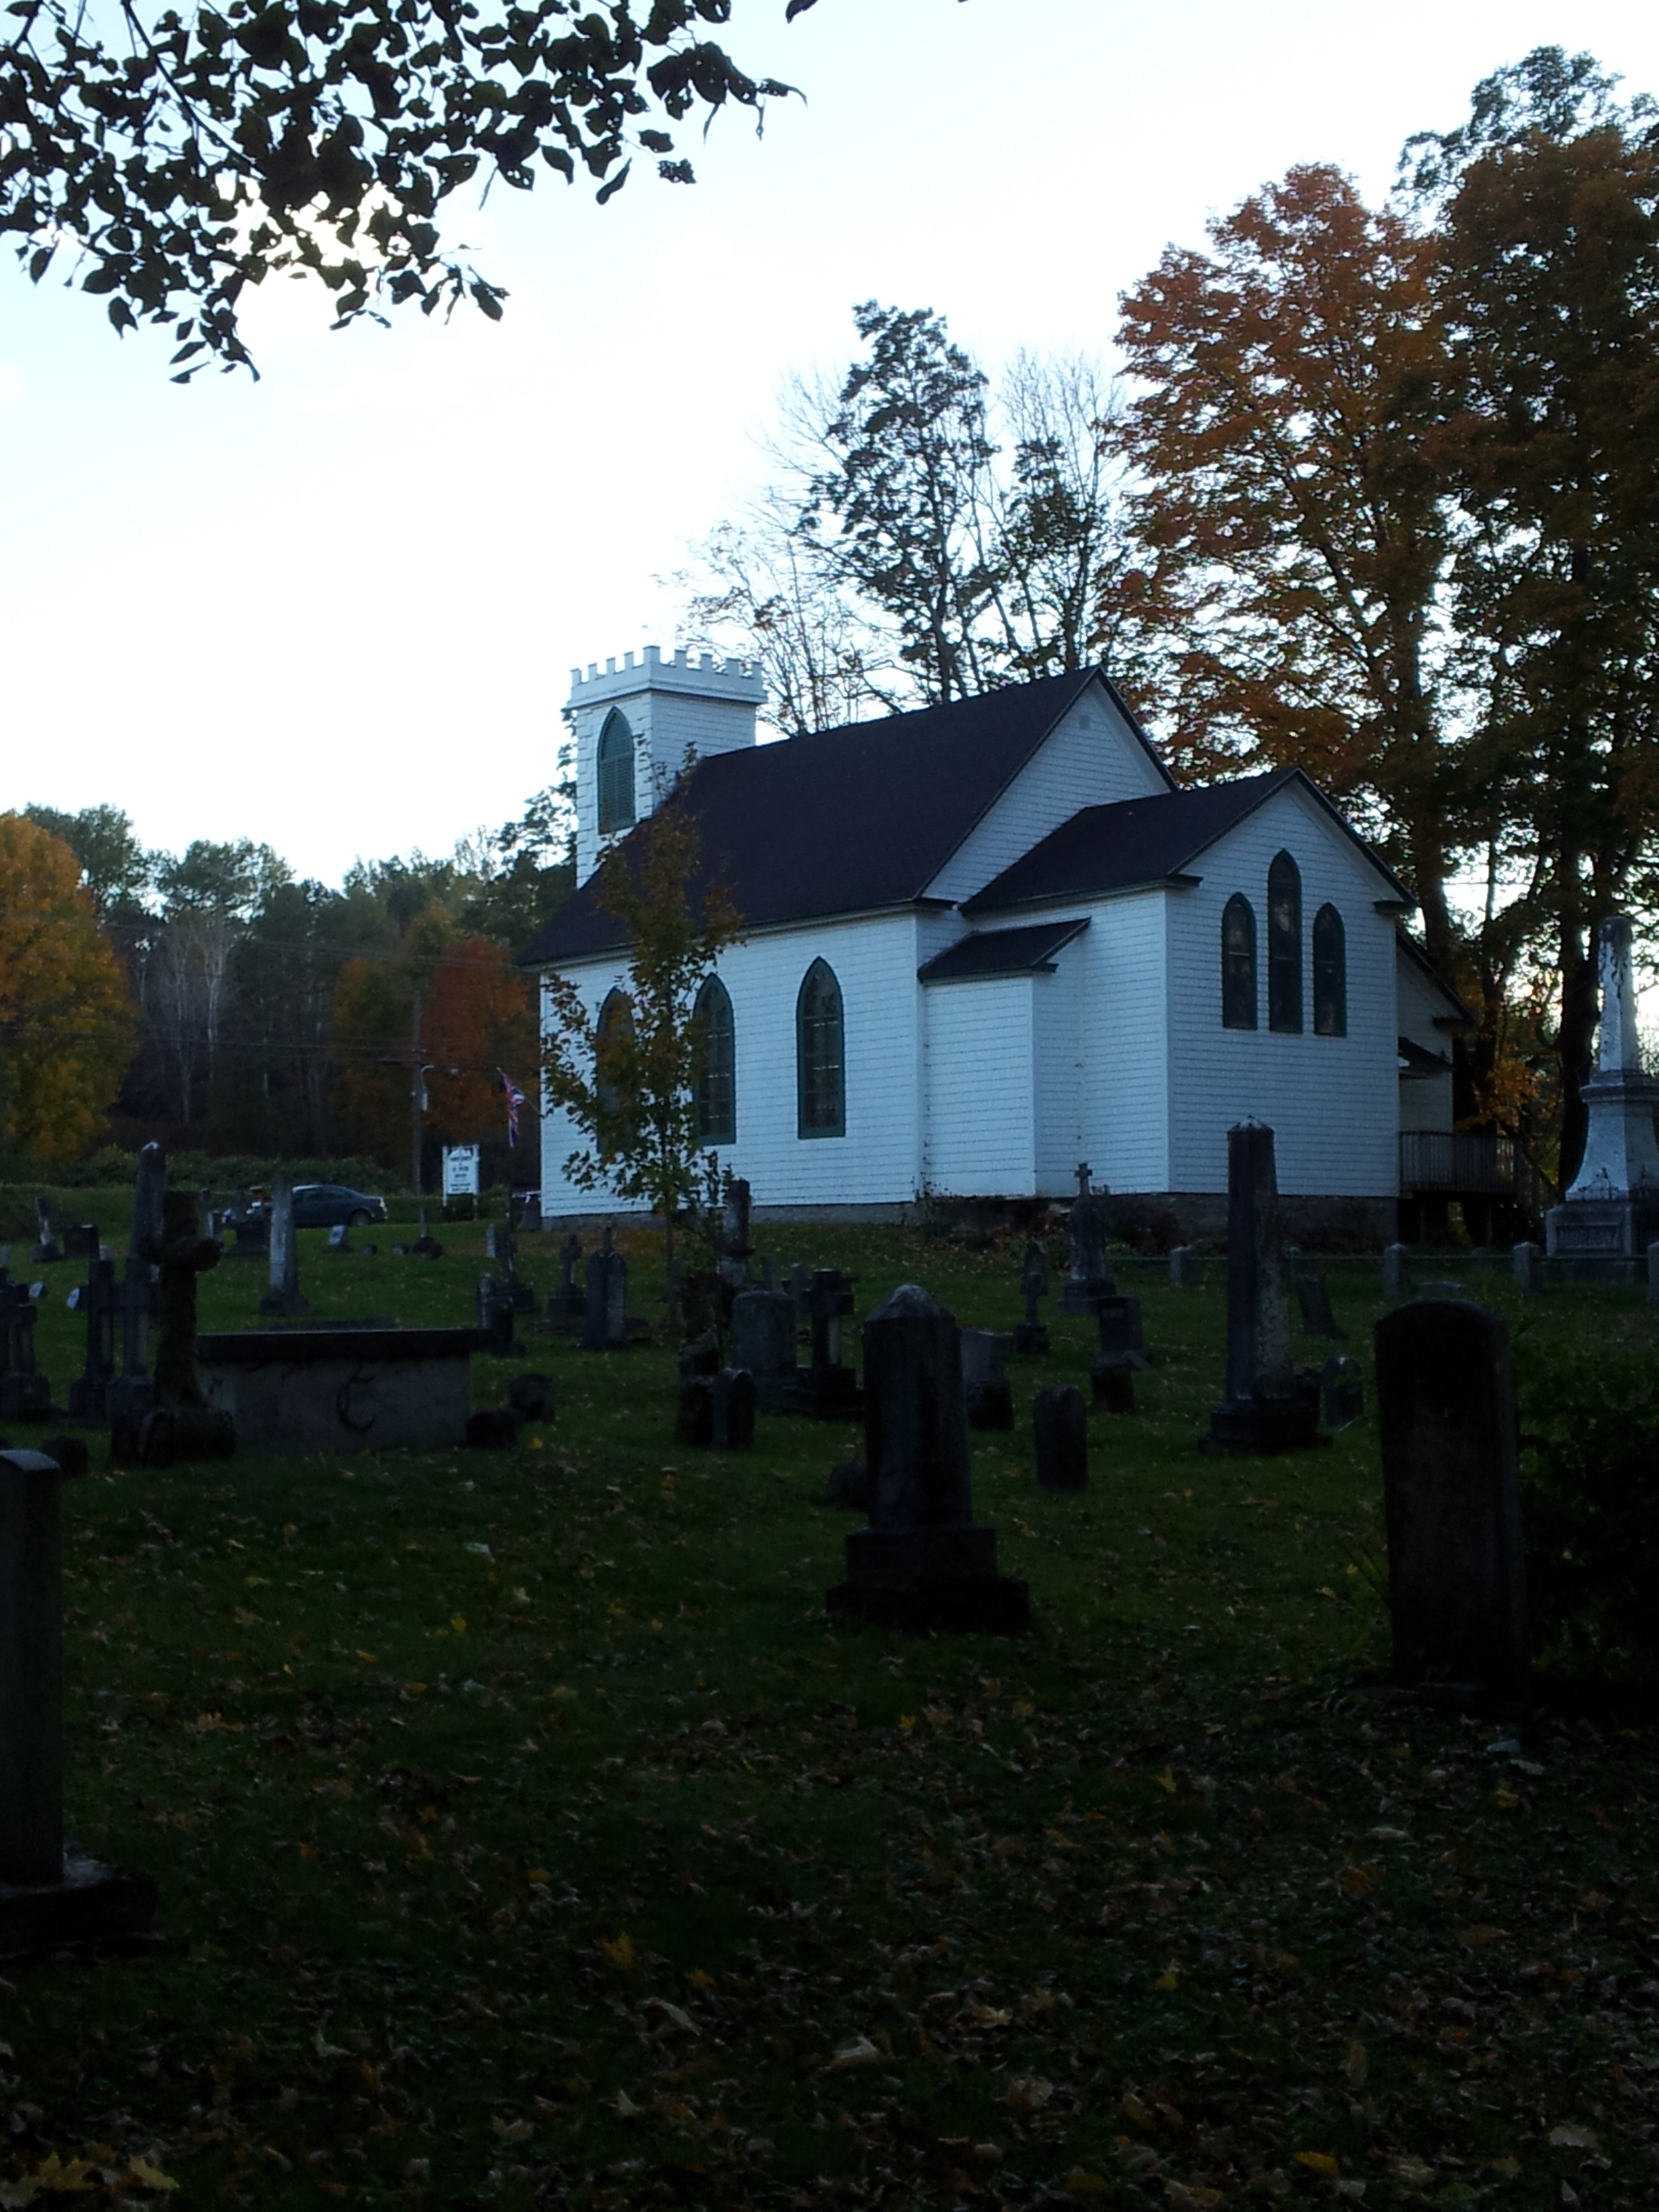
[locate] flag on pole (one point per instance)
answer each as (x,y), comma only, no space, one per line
(514,1100)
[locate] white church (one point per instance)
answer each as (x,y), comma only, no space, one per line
(982,943)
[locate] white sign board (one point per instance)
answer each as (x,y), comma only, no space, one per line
(460,1171)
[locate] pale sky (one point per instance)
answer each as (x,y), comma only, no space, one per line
(338,610)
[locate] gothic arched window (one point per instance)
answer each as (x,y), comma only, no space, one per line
(717,1086)
(1238,963)
(615,1023)
(821,1088)
(1330,974)
(1284,945)
(615,769)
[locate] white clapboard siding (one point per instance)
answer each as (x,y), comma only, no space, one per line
(1426,1101)
(1333,1103)
(1090,758)
(879,1160)
(1122,1005)
(980,1063)
(1057,1057)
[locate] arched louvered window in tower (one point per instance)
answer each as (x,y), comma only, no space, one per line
(717,1086)
(1238,963)
(1330,974)
(615,1023)
(821,1083)
(1284,945)
(616,770)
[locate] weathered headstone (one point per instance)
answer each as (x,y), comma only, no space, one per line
(828,1387)
(733,1407)
(1186,1268)
(283,1294)
(1122,1341)
(495,1317)
(81,1243)
(800,1284)
(1269,1407)
(46,1248)
(736,1250)
(1341,1392)
(1653,1275)
(1528,1261)
(1113,1382)
(1313,1297)
(506,1258)
(148,1190)
(763,1343)
(426,1244)
(694,1417)
(1610,1212)
(1088,1279)
(1397,1271)
(88,1393)
(181,1425)
(568,1302)
(990,1400)
(132,1391)
(923,1563)
(606,1329)
(1061,1423)
(49,1897)
(1452,1498)
(1030,1337)
(339,1239)
(25,1393)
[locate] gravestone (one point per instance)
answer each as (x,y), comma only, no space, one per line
(1113,1382)
(827,1388)
(606,1318)
(426,1244)
(1123,1342)
(923,1563)
(49,1896)
(532,1396)
(736,1250)
(180,1424)
(506,1258)
(132,1391)
(1088,1279)
(149,1188)
(45,1244)
(1269,1407)
(1059,1422)
(495,1318)
(568,1302)
(850,1486)
(1186,1268)
(81,1243)
(25,1393)
(733,1407)
(88,1393)
(763,1344)
(990,1400)
(1653,1275)
(694,1416)
(1314,1298)
(800,1285)
(1528,1261)
(1452,1499)
(1030,1337)
(1341,1392)
(1397,1271)
(283,1294)
(1610,1212)
(339,1239)
(344,1386)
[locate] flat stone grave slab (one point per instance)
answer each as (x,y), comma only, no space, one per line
(352,1386)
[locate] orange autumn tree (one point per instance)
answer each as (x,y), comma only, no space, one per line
(475,1019)
(67,1026)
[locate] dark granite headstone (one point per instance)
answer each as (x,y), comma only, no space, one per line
(1088,1279)
(1113,1382)
(180,1424)
(1397,1271)
(131,1391)
(1060,1424)
(1030,1337)
(46,1249)
(1122,1341)
(567,1302)
(1341,1392)
(25,1393)
(763,1343)
(923,1563)
(82,1242)
(736,1250)
(828,1388)
(149,1187)
(1270,1406)
(606,1329)
(733,1399)
(990,1398)
(88,1393)
(694,1418)
(1314,1299)
(495,1317)
(49,1897)
(1452,1498)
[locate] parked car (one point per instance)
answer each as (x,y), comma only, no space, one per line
(330,1205)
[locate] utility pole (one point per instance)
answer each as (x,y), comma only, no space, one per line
(417,1101)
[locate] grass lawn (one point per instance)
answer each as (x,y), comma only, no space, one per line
(527,1834)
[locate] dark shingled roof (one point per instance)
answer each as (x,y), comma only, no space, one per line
(1001,951)
(848,820)
(1135,841)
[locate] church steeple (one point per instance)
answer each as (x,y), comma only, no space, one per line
(635,726)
